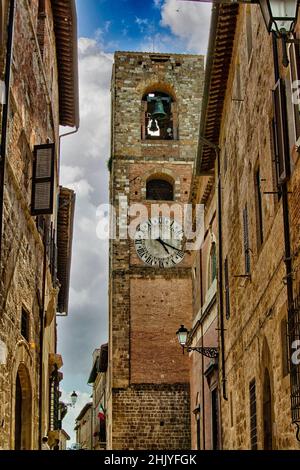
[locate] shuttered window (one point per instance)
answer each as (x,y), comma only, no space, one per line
(295,76)
(43,180)
(246,240)
(253,415)
(281,131)
(259,210)
(227,293)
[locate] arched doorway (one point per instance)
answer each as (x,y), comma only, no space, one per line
(267,412)
(23,410)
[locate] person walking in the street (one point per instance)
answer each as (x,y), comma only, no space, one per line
(45,445)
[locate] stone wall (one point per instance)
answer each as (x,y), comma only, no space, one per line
(152,417)
(33,118)
(254,342)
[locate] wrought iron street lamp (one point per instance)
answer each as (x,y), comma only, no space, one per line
(183,336)
(280,17)
(74,397)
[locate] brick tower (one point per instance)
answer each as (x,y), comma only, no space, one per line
(156,101)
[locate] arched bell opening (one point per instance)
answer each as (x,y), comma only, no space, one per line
(23,410)
(159,116)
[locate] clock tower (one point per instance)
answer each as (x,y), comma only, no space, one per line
(156,102)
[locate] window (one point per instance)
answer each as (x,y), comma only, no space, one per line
(275,170)
(43,180)
(294,52)
(159,190)
(237,96)
(249,31)
(253,415)
(246,240)
(259,209)
(281,131)
(41,25)
(212,264)
(25,324)
(284,347)
(159,117)
(227,294)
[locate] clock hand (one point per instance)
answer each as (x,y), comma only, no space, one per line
(171,246)
(162,243)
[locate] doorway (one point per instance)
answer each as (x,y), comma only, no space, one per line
(23,410)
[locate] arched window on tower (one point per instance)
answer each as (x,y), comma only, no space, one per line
(212,271)
(159,117)
(159,189)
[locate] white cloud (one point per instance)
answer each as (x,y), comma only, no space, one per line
(189,21)
(84,169)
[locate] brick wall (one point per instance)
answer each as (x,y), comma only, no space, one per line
(149,417)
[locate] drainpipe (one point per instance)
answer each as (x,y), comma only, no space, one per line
(5,111)
(220,278)
(202,361)
(42,330)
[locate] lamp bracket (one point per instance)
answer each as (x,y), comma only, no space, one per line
(208,351)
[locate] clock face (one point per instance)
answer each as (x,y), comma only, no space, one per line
(159,242)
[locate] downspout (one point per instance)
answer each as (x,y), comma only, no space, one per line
(202,360)
(220,278)
(3,148)
(42,329)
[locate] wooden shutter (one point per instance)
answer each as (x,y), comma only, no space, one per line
(295,76)
(227,293)
(43,180)
(253,415)
(281,131)
(246,240)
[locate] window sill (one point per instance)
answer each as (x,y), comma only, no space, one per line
(159,141)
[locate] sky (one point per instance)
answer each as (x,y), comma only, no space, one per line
(106,26)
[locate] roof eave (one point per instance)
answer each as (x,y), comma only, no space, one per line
(223,25)
(65,27)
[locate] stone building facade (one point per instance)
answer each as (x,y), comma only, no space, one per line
(205,397)
(98,379)
(42,94)
(255,165)
(84,428)
(150,293)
